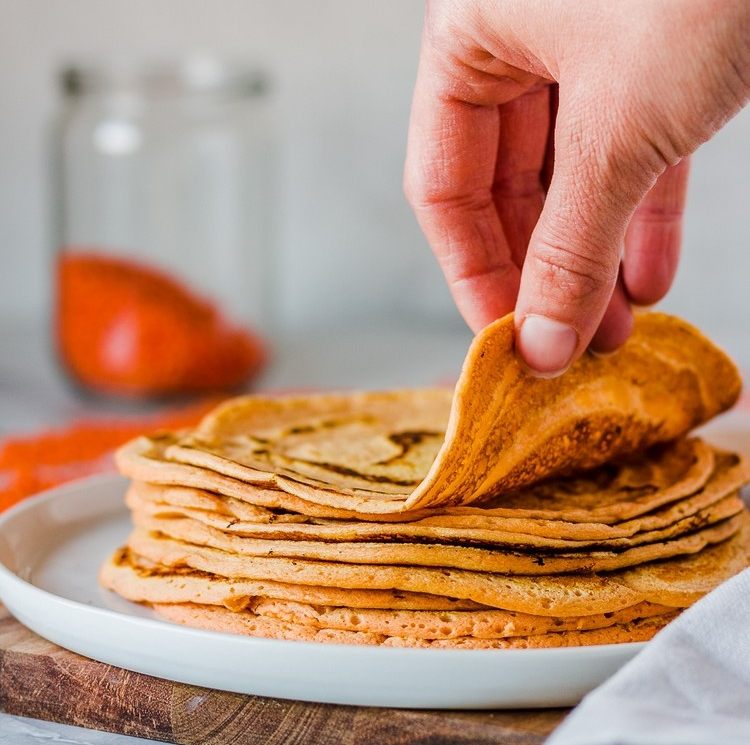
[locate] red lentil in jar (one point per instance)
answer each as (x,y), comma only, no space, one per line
(125,328)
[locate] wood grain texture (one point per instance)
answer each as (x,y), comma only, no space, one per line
(39,679)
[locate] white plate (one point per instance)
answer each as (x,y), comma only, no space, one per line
(51,547)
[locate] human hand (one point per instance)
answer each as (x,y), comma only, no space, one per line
(641,85)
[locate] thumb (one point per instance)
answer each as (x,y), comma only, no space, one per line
(572,263)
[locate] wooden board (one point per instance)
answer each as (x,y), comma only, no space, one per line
(39,679)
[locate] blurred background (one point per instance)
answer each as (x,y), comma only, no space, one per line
(350,272)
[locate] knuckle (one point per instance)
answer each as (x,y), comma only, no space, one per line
(424,197)
(501,272)
(649,212)
(420,189)
(614,149)
(409,188)
(576,274)
(663,150)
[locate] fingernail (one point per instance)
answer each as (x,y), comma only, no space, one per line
(546,346)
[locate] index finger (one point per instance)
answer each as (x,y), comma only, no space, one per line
(448,181)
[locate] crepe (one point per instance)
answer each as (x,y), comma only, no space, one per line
(141,580)
(143,460)
(419,624)
(473,524)
(200,500)
(610,494)
(513,559)
(439,618)
(684,582)
(636,631)
(563,595)
(248,623)
(501,429)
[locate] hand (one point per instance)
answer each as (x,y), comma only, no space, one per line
(642,84)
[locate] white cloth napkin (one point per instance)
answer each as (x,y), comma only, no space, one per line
(689,686)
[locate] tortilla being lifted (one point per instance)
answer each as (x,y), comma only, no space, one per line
(514,512)
(500,430)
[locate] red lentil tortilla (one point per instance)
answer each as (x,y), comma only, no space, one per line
(250,624)
(501,429)
(554,595)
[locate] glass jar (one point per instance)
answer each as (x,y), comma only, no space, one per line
(163,200)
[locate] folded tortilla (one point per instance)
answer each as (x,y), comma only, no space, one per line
(501,429)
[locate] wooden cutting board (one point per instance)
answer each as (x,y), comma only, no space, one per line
(39,679)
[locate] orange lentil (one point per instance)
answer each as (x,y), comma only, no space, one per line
(125,328)
(31,463)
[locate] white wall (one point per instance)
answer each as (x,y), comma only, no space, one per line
(349,247)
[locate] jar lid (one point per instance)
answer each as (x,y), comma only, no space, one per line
(195,75)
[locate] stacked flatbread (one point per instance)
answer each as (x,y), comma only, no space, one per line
(513,512)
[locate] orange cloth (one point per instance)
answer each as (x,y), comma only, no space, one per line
(29,464)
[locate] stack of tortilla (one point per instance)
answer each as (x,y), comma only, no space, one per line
(513,512)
